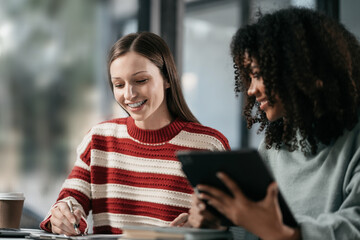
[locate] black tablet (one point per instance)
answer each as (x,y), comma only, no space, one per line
(244,166)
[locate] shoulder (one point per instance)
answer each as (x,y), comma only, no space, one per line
(207,133)
(112,123)
(266,154)
(121,121)
(108,127)
(350,140)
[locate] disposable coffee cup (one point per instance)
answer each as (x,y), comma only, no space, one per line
(11,206)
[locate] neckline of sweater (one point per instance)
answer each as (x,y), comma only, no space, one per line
(155,136)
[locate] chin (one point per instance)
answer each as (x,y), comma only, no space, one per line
(137,118)
(270,117)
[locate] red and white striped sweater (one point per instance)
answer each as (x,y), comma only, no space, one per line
(130,176)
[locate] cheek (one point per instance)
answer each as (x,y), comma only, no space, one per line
(156,91)
(278,111)
(118,95)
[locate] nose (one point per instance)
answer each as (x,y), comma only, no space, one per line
(252,88)
(129,92)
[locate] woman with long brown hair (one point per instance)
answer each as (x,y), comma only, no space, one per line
(126,172)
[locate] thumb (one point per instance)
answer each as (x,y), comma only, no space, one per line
(272,193)
(180,220)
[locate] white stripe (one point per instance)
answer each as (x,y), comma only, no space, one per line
(104,129)
(119,220)
(196,140)
(136,164)
(84,143)
(111,129)
(77,184)
(80,163)
(159,196)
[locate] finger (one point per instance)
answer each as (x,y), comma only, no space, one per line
(180,220)
(59,220)
(218,204)
(58,227)
(271,193)
(221,199)
(204,220)
(198,220)
(195,220)
(232,186)
(201,206)
(197,204)
(57,230)
(78,215)
(65,210)
(221,203)
(195,199)
(212,191)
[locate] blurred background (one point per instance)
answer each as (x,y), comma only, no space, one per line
(53,82)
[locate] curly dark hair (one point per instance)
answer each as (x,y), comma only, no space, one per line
(312,63)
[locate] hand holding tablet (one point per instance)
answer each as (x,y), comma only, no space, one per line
(245,167)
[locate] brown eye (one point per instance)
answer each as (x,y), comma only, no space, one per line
(142,81)
(119,85)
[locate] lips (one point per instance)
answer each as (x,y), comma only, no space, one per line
(263,103)
(137,104)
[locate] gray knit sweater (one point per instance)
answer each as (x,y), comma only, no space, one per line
(323,190)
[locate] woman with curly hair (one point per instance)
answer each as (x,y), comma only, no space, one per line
(300,72)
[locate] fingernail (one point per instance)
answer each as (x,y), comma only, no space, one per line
(202,206)
(275,189)
(219,175)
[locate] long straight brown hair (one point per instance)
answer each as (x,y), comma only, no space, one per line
(156,50)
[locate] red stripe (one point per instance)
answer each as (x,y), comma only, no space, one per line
(80,173)
(103,175)
(44,224)
(79,196)
(131,148)
(138,208)
(106,230)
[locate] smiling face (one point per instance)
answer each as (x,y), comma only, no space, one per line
(257,89)
(139,88)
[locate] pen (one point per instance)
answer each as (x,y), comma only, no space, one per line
(76,226)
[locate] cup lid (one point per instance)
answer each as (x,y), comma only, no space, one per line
(12,196)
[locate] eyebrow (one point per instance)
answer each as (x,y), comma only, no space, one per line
(138,72)
(131,75)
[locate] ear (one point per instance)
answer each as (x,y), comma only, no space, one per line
(166,84)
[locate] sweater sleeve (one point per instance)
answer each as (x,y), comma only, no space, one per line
(342,224)
(76,187)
